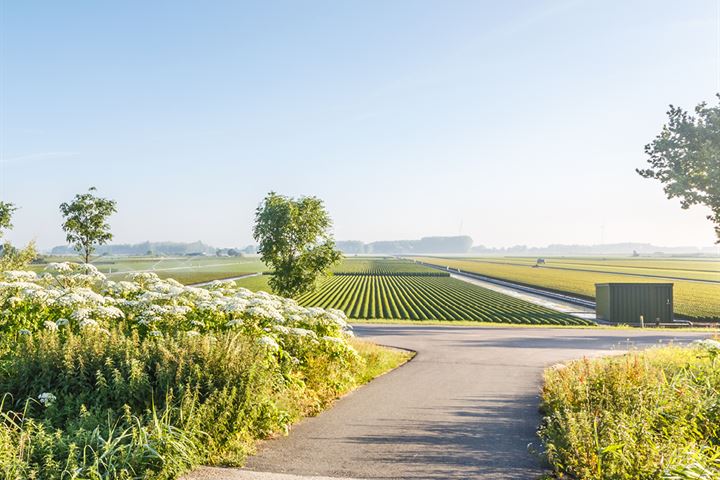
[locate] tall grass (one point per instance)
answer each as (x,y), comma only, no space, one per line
(126,408)
(649,415)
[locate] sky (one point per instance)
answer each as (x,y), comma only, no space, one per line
(515,122)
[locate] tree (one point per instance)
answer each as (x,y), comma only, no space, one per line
(12,258)
(85,222)
(6,212)
(685,157)
(295,240)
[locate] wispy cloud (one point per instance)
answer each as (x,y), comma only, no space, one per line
(38,157)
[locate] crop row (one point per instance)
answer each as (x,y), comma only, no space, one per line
(382,266)
(427,298)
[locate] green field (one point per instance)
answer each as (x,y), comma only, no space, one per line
(384,266)
(699,299)
(187,270)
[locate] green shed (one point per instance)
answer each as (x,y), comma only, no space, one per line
(626,302)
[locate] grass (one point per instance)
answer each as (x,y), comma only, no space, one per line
(379,359)
(650,415)
(128,409)
(698,301)
(257,283)
(186,270)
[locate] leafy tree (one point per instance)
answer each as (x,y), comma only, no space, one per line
(12,258)
(295,240)
(85,222)
(685,157)
(6,211)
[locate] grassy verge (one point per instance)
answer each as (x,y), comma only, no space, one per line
(124,408)
(654,414)
(378,359)
(468,323)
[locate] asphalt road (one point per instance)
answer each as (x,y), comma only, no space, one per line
(465,407)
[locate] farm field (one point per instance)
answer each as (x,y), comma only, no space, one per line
(384,266)
(402,290)
(673,269)
(400,297)
(186,270)
(693,299)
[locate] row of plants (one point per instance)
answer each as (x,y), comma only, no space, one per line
(428,298)
(383,266)
(145,378)
(693,300)
(648,415)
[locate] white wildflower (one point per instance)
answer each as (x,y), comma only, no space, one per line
(88,323)
(269,342)
(20,275)
(24,331)
(47,398)
(50,325)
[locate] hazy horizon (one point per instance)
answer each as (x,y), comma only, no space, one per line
(513,124)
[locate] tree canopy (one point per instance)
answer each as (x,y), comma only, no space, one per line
(295,240)
(6,212)
(685,157)
(12,258)
(85,222)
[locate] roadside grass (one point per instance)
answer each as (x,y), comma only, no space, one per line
(146,378)
(125,408)
(378,359)
(651,414)
(714,329)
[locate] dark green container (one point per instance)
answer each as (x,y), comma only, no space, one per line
(626,302)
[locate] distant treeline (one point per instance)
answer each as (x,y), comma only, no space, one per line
(627,248)
(157,248)
(458,244)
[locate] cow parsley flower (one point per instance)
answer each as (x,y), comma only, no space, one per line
(88,323)
(61,322)
(269,342)
(50,325)
(24,331)
(47,398)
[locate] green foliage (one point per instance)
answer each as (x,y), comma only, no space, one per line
(6,211)
(193,399)
(144,378)
(651,415)
(685,157)
(294,239)
(12,258)
(85,222)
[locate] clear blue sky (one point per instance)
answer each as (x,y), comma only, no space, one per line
(514,122)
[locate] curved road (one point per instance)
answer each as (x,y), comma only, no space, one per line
(465,407)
